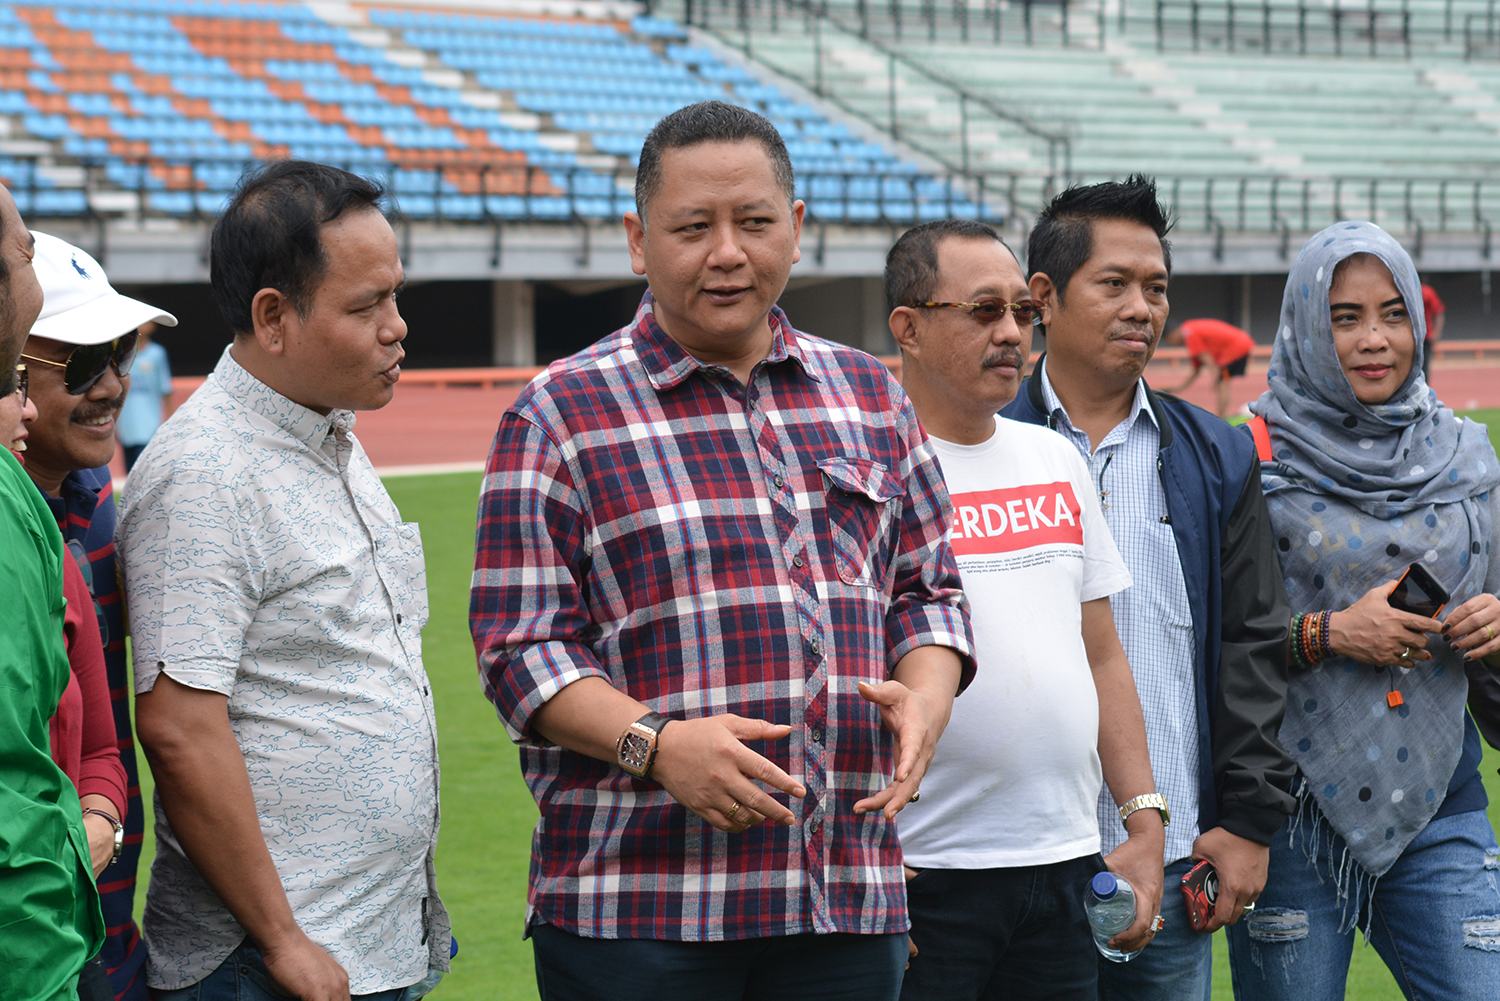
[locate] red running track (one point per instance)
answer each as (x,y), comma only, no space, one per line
(447,426)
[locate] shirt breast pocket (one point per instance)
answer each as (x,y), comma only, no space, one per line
(861,499)
(1166,588)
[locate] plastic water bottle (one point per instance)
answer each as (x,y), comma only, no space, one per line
(434,977)
(1109,902)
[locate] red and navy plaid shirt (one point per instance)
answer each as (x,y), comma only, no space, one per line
(708,548)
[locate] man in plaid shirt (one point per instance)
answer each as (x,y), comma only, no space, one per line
(714,604)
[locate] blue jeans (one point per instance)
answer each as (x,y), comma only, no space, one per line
(1178,965)
(243,977)
(1434,919)
(999,934)
(848,967)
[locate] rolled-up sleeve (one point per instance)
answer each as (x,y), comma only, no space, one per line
(193,581)
(527,606)
(928,607)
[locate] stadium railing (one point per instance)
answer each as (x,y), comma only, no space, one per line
(1297,27)
(477,193)
(501,193)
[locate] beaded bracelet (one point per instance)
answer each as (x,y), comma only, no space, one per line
(1325,646)
(1297,655)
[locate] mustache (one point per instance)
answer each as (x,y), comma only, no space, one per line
(90,411)
(1005,356)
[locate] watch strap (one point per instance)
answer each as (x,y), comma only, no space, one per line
(1149,801)
(654,722)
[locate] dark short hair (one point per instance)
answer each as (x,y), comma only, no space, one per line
(7,321)
(1063,237)
(270,236)
(709,122)
(911,266)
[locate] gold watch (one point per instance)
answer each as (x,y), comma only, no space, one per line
(636,749)
(1150,801)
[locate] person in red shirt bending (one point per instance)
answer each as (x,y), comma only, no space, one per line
(1216,343)
(1434,312)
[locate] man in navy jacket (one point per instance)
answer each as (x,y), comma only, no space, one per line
(1205,624)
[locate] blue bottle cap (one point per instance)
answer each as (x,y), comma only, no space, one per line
(1105,885)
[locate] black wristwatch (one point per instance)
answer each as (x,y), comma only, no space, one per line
(636,749)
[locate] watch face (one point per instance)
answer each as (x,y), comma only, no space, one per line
(635,750)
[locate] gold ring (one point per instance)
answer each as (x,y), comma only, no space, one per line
(732,810)
(1158,923)
(915,796)
(1489,630)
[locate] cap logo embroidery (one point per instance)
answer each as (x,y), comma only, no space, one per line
(78,267)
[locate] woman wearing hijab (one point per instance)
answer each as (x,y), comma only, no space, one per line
(1368,474)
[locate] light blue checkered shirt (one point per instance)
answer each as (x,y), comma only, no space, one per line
(1153,617)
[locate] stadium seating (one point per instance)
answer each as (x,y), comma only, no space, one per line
(156,106)
(1316,107)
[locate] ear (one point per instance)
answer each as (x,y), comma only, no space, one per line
(270,312)
(1043,291)
(903,324)
(799,210)
(635,238)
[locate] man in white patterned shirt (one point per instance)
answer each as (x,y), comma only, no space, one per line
(1205,622)
(278,602)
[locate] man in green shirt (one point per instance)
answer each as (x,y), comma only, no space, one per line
(50,922)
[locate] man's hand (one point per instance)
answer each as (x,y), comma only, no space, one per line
(1138,859)
(1242,866)
(1372,632)
(917,725)
(707,769)
(302,970)
(915,706)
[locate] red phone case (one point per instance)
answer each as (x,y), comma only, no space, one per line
(1200,892)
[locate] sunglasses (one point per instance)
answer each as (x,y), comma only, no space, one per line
(22,379)
(990,309)
(87,363)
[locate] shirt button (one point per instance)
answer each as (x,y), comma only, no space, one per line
(796,561)
(817,826)
(817,735)
(778,480)
(816,648)
(398,618)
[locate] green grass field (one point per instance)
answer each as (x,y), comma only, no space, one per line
(488,814)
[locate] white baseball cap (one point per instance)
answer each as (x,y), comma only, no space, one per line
(79,306)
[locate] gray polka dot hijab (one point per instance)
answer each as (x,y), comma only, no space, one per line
(1357,493)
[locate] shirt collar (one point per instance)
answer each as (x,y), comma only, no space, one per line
(668,364)
(307,426)
(1056,409)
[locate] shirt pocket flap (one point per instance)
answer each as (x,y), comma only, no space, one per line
(863,476)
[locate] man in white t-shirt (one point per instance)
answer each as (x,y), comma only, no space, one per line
(1005,836)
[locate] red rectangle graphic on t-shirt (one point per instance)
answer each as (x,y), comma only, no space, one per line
(1002,521)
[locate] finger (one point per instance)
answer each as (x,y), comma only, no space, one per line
(887,693)
(891,800)
(1137,936)
(909,741)
(755,729)
(762,769)
(756,805)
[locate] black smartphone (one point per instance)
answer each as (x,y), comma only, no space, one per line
(1418,592)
